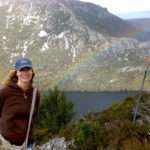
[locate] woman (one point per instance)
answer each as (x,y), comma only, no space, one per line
(15,101)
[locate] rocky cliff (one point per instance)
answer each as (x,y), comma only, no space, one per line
(75,45)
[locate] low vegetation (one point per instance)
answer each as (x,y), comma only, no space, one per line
(55,112)
(112,129)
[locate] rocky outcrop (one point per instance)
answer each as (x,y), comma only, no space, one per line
(143,111)
(56,144)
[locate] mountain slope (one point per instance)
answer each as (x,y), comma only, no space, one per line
(143,24)
(99,19)
(67,49)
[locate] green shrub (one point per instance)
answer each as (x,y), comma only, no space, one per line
(55,111)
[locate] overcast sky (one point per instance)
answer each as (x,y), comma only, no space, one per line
(123,6)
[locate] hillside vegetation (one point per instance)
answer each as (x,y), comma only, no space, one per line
(112,129)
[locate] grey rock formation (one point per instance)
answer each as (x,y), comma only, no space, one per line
(56,144)
(143,115)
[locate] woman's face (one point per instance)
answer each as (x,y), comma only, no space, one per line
(25,75)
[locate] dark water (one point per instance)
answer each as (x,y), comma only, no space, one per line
(85,102)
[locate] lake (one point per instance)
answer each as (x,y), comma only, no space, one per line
(85,102)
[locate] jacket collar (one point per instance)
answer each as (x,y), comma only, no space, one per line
(15,86)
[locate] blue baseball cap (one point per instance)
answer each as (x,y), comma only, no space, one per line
(22,63)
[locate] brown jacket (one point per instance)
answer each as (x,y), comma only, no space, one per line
(14,113)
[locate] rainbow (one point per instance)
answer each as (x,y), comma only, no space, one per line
(86,58)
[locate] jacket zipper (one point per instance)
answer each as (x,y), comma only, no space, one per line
(25,96)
